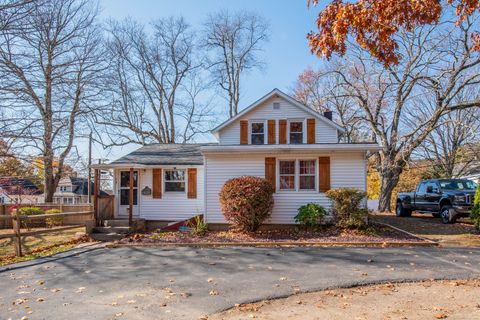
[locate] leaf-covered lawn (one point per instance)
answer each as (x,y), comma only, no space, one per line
(330,234)
(39,245)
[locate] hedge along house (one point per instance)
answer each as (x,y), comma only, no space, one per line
(277,138)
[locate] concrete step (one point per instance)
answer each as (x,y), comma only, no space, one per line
(116,223)
(117,230)
(106,237)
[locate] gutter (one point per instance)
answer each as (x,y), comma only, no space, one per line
(291,148)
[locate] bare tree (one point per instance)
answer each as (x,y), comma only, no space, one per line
(452,148)
(154,84)
(12,11)
(48,75)
(324,93)
(437,65)
(234,41)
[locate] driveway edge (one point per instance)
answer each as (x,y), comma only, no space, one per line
(278,244)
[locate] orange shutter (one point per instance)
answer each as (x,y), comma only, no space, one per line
(323,174)
(157,184)
(192,183)
(310,131)
(282,139)
(270,172)
(271,132)
(243,131)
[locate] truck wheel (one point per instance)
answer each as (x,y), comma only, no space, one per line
(446,214)
(400,211)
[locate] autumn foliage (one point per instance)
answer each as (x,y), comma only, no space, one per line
(246,202)
(374,23)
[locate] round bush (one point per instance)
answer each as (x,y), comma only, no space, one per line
(54,221)
(310,215)
(246,202)
(347,208)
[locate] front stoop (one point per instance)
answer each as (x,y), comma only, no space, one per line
(115,229)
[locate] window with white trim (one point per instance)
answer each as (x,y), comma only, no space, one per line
(174,180)
(296,132)
(257,133)
(287,174)
(307,174)
(297,175)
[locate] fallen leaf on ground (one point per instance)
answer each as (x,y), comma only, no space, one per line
(40,299)
(441,316)
(214,293)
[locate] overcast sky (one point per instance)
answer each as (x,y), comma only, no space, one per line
(287,53)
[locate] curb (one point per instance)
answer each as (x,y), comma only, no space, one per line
(276,244)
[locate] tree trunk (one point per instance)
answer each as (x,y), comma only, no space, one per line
(386,189)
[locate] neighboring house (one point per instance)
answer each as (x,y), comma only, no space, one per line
(20,191)
(294,147)
(73,190)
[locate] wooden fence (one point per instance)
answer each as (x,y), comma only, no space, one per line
(65,208)
(16,220)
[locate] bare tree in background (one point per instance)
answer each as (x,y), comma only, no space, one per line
(47,80)
(437,64)
(324,93)
(154,84)
(12,11)
(453,147)
(234,41)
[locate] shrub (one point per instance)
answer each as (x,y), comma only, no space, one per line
(30,211)
(198,226)
(475,214)
(246,202)
(54,221)
(346,209)
(310,215)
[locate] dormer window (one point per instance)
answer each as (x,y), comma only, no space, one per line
(296,132)
(257,133)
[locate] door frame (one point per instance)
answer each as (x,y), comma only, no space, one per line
(122,210)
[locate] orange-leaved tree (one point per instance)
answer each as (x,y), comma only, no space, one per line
(373,24)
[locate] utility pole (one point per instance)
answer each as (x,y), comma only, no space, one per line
(89,190)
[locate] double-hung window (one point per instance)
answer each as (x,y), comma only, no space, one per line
(174,180)
(287,174)
(297,175)
(257,134)
(296,132)
(306,174)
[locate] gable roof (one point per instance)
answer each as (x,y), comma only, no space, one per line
(163,154)
(293,101)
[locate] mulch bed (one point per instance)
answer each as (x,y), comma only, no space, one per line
(328,234)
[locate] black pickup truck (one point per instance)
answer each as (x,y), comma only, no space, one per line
(448,199)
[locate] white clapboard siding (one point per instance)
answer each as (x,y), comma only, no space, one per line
(324,133)
(173,206)
(347,170)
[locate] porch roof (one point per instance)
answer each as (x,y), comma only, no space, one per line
(160,154)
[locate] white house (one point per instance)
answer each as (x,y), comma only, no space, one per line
(294,147)
(73,190)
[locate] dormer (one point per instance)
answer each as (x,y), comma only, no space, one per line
(278,118)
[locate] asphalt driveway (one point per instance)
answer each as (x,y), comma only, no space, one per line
(185,283)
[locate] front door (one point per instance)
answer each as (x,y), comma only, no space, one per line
(124,193)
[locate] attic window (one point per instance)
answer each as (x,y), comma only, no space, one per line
(276,105)
(258,133)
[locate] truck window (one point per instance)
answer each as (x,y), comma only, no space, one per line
(433,185)
(422,187)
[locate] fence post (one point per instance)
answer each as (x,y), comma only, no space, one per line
(17,240)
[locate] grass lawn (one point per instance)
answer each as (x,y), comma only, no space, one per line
(38,245)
